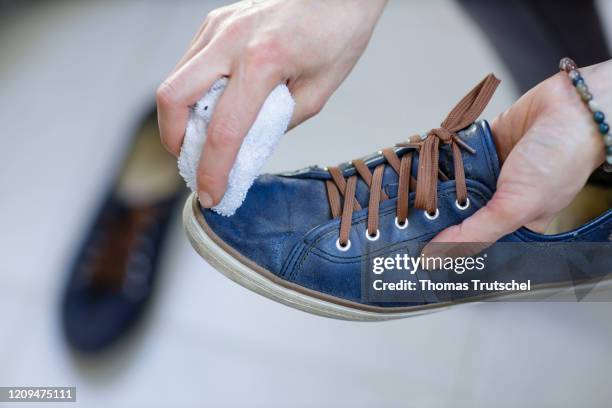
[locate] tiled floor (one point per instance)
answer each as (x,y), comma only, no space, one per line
(76,75)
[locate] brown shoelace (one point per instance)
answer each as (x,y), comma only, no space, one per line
(110,262)
(426,185)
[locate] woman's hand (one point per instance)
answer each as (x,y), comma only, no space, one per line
(310,45)
(549,146)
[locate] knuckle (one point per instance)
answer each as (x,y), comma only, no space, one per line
(213,15)
(269,52)
(233,29)
(219,12)
(166,94)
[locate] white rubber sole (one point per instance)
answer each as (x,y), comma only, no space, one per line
(247,277)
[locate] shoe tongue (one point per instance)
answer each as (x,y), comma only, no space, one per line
(482,166)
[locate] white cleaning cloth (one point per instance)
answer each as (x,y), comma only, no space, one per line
(259,143)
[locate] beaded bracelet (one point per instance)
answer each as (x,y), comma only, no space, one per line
(569,66)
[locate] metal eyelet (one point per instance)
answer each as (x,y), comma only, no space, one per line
(464,206)
(372,238)
(434,216)
(341,247)
(401,226)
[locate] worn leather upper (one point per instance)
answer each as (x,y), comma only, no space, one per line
(286,227)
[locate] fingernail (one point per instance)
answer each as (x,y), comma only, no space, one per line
(205,199)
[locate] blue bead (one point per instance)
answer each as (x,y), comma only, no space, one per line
(604,128)
(608,150)
(578,80)
(599,116)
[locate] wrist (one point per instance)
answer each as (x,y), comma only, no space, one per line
(556,106)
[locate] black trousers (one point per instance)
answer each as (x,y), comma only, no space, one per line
(531,36)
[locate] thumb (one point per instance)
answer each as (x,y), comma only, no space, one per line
(495,220)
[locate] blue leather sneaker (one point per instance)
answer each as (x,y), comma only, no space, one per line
(303,238)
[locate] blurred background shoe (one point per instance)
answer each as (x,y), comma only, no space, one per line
(113,276)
